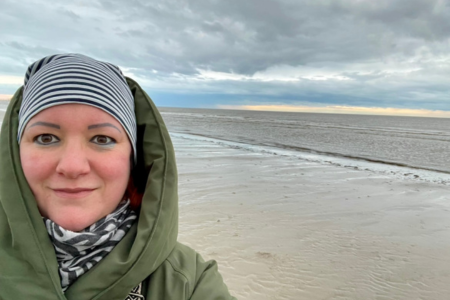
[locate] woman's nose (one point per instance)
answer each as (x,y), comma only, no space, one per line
(73,161)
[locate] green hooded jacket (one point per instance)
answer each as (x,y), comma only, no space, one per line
(149,256)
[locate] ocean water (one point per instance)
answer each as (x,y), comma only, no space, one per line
(412,147)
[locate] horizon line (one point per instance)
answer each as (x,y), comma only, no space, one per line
(342,109)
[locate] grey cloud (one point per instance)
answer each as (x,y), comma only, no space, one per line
(277,33)
(245,37)
(421,19)
(70,14)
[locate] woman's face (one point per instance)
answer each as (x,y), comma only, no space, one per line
(76,159)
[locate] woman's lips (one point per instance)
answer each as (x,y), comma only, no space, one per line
(73,193)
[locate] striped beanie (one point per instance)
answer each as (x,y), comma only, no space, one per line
(75,78)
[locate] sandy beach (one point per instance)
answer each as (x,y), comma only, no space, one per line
(285,228)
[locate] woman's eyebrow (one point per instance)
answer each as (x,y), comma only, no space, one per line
(103,125)
(45,124)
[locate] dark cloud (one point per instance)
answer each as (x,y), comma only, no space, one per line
(393,50)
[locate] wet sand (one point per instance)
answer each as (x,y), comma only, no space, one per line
(284,228)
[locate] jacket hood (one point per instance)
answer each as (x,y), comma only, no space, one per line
(28,265)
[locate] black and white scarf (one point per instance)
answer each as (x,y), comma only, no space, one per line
(78,252)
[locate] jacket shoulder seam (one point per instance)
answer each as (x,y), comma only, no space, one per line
(177,270)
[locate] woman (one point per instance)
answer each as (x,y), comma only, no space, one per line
(88,183)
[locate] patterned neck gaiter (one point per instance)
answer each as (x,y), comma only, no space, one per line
(78,252)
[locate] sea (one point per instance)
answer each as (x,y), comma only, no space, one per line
(412,148)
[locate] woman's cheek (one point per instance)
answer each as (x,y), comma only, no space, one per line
(114,167)
(36,165)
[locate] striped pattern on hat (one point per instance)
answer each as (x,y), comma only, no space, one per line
(75,78)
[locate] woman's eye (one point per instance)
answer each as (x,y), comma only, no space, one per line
(103,140)
(46,139)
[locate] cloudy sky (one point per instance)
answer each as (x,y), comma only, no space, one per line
(350,56)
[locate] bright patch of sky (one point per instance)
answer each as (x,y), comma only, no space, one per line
(386,111)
